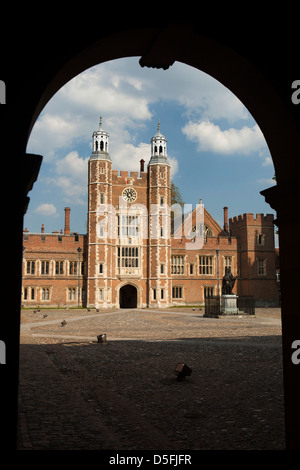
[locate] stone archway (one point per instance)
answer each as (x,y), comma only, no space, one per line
(241,67)
(128,296)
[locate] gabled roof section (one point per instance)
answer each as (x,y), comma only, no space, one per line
(184,223)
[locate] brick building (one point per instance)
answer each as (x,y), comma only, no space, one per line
(136,254)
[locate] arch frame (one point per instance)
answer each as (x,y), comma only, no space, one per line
(131,282)
(255,72)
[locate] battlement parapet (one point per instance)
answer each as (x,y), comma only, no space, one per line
(250,219)
(126,177)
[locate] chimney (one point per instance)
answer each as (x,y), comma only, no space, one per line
(67,221)
(225,219)
(142,162)
(42,229)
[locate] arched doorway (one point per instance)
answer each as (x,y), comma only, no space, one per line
(128,296)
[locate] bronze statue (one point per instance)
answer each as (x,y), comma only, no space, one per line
(228,282)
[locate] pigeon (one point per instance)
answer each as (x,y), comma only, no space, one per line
(45,315)
(63,323)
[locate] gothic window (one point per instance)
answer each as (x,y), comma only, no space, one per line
(128,226)
(177,265)
(71,293)
(177,292)
(261,267)
(197,231)
(59,267)
(205,265)
(207,233)
(73,268)
(101,145)
(45,267)
(45,293)
(227,263)
(208,292)
(30,267)
(160,149)
(96,145)
(128,257)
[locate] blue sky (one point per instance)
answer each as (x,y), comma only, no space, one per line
(216,150)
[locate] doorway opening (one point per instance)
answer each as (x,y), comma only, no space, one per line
(128,296)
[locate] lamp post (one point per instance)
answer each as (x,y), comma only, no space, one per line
(218,253)
(79,251)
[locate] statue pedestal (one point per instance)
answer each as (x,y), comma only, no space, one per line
(229,305)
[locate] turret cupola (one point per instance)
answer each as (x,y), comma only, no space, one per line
(159,148)
(100,144)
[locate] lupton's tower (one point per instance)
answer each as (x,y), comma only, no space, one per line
(159,203)
(129,240)
(99,212)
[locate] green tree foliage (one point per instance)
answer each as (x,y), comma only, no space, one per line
(176,195)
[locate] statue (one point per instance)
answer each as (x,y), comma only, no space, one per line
(228,282)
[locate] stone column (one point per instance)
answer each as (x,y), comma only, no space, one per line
(284,198)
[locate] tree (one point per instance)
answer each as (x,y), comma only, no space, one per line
(176,195)
(176,198)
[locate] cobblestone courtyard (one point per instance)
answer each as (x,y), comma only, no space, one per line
(76,393)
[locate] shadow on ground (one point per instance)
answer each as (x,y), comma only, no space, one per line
(124,394)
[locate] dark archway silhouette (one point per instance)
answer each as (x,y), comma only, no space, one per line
(249,57)
(128,296)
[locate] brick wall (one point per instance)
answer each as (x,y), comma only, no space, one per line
(50,269)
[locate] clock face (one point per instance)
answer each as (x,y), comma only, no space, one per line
(129,194)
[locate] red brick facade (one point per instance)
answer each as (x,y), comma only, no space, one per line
(129,258)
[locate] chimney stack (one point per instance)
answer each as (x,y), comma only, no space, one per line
(42,229)
(225,219)
(67,221)
(142,162)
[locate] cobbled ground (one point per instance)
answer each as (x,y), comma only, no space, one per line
(123,394)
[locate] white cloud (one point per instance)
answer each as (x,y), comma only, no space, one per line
(268,161)
(127,156)
(53,132)
(210,137)
(266,181)
(104,90)
(124,94)
(174,166)
(74,166)
(46,209)
(71,178)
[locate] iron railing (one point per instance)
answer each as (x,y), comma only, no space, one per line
(246,304)
(212,306)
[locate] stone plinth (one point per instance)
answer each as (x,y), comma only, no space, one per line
(229,305)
